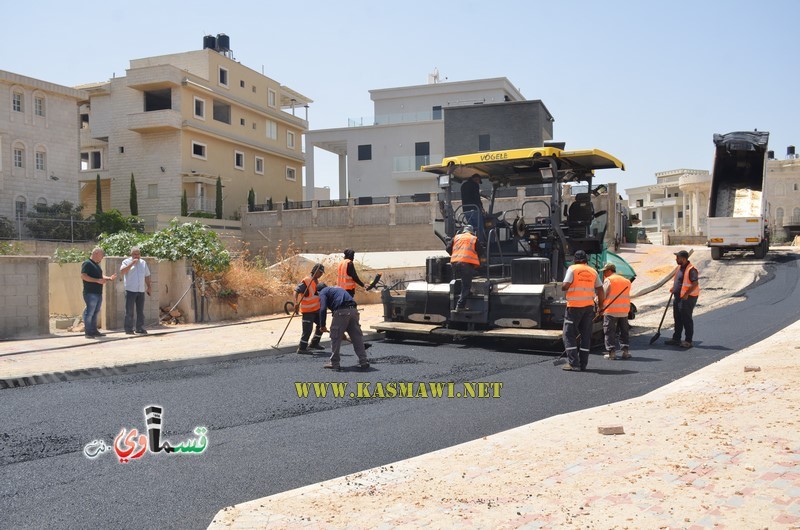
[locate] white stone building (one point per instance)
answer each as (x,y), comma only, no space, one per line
(381,155)
(783,196)
(39,155)
(677,202)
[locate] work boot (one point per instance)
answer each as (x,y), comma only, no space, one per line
(626,354)
(610,355)
(672,342)
(367,345)
(363,365)
(304,351)
(331,366)
(570,368)
(314,345)
(686,344)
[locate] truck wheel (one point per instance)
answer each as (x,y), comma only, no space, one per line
(716,253)
(761,250)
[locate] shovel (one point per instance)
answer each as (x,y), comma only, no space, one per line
(658,333)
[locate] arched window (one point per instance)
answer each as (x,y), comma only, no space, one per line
(796,216)
(779,216)
(41,201)
(20,207)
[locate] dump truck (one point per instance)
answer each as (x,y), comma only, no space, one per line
(516,295)
(737,208)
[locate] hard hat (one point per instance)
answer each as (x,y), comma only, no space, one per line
(468,228)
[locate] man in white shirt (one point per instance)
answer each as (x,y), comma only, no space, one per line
(136,276)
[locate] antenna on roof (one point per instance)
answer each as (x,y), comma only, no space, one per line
(433,77)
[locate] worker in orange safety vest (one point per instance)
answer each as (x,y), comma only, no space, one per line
(307,302)
(347,277)
(617,291)
(465,262)
(686,290)
(582,284)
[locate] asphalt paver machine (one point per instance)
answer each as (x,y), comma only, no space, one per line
(516,294)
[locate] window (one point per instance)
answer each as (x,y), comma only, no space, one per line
(198,150)
(41,201)
(91,160)
(41,161)
(365,152)
(222,112)
(122,149)
(290,139)
(84,121)
(794,187)
(796,216)
(437,112)
(654,215)
(38,106)
(238,160)
(157,100)
(272,130)
(242,122)
(241,83)
(484,144)
(259,165)
(20,208)
(422,154)
(254,126)
(152,191)
(272,97)
(779,216)
(680,215)
(19,157)
(223,76)
(639,203)
(290,174)
(199,108)
(254,89)
(16,102)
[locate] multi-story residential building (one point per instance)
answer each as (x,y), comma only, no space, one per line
(783,195)
(678,202)
(177,122)
(39,158)
(381,155)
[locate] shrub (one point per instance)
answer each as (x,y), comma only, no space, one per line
(189,240)
(70,255)
(120,244)
(60,221)
(11,248)
(113,221)
(6,228)
(202,215)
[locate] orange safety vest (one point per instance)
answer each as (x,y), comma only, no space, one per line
(310,301)
(464,249)
(621,286)
(695,290)
(581,290)
(345,281)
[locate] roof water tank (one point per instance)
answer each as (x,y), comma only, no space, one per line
(223,43)
(790,152)
(209,42)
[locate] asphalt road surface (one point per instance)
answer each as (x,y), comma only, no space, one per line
(263,439)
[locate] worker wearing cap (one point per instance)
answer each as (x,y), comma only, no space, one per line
(465,262)
(307,302)
(582,284)
(345,318)
(471,203)
(347,277)
(617,290)
(686,289)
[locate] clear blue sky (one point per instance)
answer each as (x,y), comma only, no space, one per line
(649,82)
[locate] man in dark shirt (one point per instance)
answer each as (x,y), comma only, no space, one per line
(93,281)
(686,289)
(345,319)
(471,203)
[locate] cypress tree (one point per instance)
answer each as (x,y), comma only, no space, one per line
(219,198)
(184,205)
(134,201)
(251,200)
(99,208)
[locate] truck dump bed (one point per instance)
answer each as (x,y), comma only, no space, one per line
(738,178)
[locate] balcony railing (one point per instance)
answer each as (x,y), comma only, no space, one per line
(390,119)
(201,204)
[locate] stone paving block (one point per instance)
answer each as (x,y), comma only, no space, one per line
(611,429)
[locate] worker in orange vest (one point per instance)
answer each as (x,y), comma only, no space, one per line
(582,284)
(347,276)
(307,302)
(465,262)
(686,289)
(617,290)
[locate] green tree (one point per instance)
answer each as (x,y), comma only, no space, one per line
(134,198)
(113,221)
(6,228)
(251,200)
(60,221)
(184,205)
(97,189)
(219,198)
(286,203)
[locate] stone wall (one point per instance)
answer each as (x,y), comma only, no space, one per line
(23,296)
